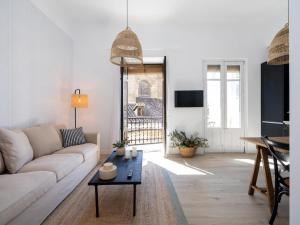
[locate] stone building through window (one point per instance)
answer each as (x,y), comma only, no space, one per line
(144,88)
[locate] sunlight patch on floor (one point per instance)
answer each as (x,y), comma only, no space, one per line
(172,166)
(196,168)
(251,161)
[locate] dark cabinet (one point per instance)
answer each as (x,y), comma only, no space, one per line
(274,99)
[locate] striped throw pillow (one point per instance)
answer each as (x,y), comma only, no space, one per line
(72,137)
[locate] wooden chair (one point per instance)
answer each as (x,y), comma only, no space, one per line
(281,166)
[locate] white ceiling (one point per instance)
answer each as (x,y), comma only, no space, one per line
(70,13)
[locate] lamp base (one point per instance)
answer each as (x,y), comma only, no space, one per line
(75,112)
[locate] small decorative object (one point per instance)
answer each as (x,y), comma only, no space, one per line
(127,154)
(187,145)
(120,151)
(134,152)
(108,171)
(120,147)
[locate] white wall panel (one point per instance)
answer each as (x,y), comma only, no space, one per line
(37,67)
(4,62)
(295,110)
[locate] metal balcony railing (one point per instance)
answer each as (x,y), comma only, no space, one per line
(145,130)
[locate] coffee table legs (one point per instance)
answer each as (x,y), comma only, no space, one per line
(97,201)
(134,199)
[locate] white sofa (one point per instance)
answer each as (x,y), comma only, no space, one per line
(30,195)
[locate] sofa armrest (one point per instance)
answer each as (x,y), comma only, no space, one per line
(94,138)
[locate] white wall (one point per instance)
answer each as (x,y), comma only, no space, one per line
(4,63)
(35,68)
(95,76)
(185,46)
(295,110)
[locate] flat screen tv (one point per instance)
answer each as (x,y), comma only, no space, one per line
(189,98)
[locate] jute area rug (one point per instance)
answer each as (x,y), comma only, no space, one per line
(157,203)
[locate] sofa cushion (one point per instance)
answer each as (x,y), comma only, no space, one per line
(44,140)
(60,164)
(86,150)
(2,166)
(72,137)
(19,191)
(16,149)
(58,128)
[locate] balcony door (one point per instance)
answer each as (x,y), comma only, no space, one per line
(143,114)
(224,100)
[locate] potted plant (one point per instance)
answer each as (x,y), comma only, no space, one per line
(187,145)
(120,147)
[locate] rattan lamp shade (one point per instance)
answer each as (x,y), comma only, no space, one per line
(126,49)
(279,48)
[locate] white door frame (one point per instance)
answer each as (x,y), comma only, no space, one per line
(244,91)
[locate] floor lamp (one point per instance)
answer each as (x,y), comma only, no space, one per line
(78,100)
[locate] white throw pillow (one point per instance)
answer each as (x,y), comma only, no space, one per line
(15,148)
(43,139)
(2,166)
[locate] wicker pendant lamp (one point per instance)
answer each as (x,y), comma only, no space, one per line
(126,49)
(279,49)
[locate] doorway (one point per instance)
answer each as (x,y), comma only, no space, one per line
(143,104)
(224,101)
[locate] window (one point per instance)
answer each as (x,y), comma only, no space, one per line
(144,89)
(233,102)
(223,83)
(214,95)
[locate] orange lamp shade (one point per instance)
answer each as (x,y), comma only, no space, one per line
(79,101)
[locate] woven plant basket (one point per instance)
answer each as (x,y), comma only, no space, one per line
(278,53)
(187,152)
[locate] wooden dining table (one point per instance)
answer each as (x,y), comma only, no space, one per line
(262,155)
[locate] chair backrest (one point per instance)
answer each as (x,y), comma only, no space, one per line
(282,158)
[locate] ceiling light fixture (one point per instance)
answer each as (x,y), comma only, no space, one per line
(126,49)
(278,53)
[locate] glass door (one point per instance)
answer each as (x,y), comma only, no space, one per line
(124,105)
(143,105)
(224,105)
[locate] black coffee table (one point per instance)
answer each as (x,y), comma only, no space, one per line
(123,165)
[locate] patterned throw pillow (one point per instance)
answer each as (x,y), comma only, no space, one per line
(72,137)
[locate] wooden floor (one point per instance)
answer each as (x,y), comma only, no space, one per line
(214,191)
(156,204)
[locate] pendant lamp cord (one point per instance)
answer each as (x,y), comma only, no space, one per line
(127,13)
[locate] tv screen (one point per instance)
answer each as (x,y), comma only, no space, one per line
(188,98)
